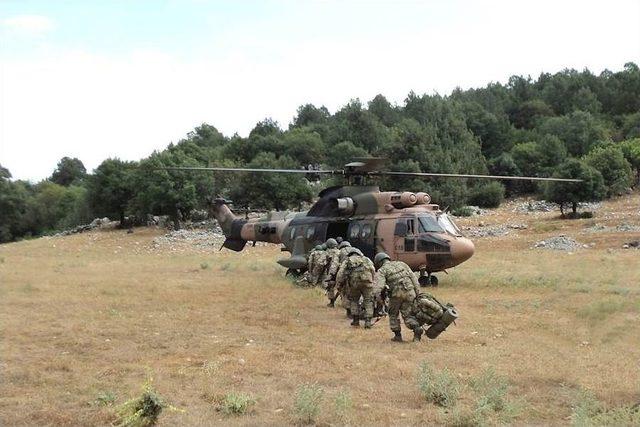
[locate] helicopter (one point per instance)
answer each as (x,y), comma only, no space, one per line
(405,225)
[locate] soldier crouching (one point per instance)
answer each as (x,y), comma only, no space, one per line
(402,287)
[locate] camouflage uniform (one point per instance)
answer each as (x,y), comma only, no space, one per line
(331,271)
(344,248)
(355,278)
(317,266)
(403,288)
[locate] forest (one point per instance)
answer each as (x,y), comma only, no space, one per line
(572,124)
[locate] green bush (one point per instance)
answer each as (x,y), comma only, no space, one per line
(144,410)
(462,211)
(343,404)
(440,388)
(306,405)
(236,403)
(488,195)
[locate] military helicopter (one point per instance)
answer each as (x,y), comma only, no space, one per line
(405,225)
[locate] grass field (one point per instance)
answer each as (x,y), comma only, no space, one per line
(86,320)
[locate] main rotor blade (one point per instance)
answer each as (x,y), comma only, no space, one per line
(304,171)
(457,175)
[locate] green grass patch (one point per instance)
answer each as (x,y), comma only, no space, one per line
(587,410)
(235,403)
(307,402)
(601,309)
(545,227)
(342,404)
(440,388)
(204,265)
(105,398)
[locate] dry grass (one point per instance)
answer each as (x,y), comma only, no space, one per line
(87,318)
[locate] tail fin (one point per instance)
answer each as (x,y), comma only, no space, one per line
(221,212)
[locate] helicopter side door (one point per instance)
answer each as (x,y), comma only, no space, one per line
(362,235)
(404,239)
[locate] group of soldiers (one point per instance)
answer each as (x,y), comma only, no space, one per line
(375,289)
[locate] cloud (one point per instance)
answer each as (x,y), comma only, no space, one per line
(28,25)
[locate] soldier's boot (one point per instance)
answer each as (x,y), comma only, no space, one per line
(349,313)
(367,323)
(397,337)
(355,321)
(417,334)
(332,302)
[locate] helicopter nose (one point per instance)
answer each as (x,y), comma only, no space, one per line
(461,250)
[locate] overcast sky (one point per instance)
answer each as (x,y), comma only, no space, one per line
(98,79)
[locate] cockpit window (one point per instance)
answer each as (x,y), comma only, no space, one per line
(429,224)
(448,224)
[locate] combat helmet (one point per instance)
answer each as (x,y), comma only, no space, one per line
(318,248)
(380,258)
(344,244)
(339,239)
(323,246)
(331,243)
(354,251)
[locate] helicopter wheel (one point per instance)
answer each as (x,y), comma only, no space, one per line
(424,281)
(433,281)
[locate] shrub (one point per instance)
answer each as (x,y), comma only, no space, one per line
(492,390)
(204,265)
(306,405)
(462,211)
(236,403)
(488,195)
(343,404)
(440,388)
(144,410)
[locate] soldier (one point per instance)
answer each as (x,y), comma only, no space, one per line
(402,289)
(355,278)
(344,247)
(333,263)
(317,268)
(305,280)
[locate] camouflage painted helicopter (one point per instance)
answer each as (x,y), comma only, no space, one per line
(405,225)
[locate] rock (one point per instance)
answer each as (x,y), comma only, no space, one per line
(518,226)
(561,243)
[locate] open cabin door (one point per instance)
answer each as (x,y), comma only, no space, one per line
(404,239)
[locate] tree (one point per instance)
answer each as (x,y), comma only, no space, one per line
(527,114)
(580,131)
(590,189)
(111,188)
(505,165)
(271,190)
(167,192)
(383,110)
(343,153)
(266,127)
(631,151)
(13,201)
(68,171)
(304,146)
(309,114)
(615,169)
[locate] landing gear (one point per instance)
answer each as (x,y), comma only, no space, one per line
(427,279)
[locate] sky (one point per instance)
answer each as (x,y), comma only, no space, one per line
(98,79)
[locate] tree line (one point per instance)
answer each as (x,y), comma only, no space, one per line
(571,124)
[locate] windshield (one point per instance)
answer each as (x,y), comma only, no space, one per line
(448,224)
(429,223)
